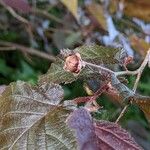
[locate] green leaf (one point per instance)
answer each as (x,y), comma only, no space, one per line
(92,53)
(4,69)
(99,54)
(57,74)
(31,118)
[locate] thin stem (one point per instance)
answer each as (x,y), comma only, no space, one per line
(7,48)
(14,14)
(123,72)
(44,13)
(126,72)
(136,82)
(13,46)
(122,113)
(98,66)
(139,70)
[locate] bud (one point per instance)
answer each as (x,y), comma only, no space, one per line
(73,63)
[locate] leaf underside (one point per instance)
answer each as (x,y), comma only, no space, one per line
(30,118)
(99,135)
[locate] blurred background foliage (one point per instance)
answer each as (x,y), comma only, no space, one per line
(50,25)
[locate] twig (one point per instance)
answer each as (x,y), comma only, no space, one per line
(7,48)
(122,113)
(14,14)
(137,81)
(139,73)
(46,15)
(13,46)
(18,17)
(139,70)
(126,72)
(115,74)
(99,67)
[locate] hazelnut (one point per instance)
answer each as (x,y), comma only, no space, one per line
(73,63)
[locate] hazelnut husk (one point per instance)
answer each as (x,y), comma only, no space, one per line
(73,63)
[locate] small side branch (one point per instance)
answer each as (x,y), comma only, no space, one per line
(43,13)
(139,70)
(8,46)
(14,14)
(121,87)
(122,113)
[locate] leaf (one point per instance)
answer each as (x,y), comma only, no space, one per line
(144,103)
(92,53)
(57,74)
(112,135)
(73,38)
(139,45)
(64,40)
(21,5)
(127,94)
(30,118)
(72,6)
(142,10)
(99,54)
(143,136)
(99,135)
(96,11)
(124,92)
(81,121)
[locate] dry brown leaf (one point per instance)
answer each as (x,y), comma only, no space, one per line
(96,11)
(144,103)
(139,45)
(138,8)
(72,6)
(133,8)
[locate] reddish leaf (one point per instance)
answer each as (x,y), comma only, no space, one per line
(99,135)
(81,121)
(19,5)
(112,136)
